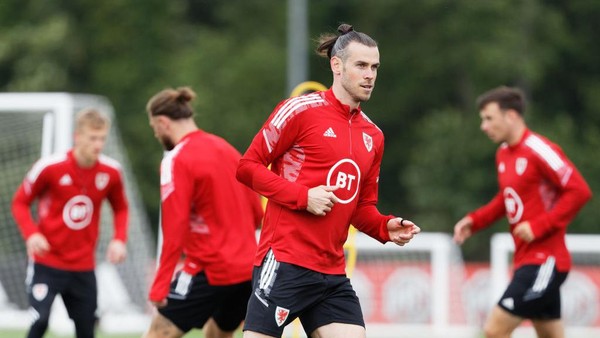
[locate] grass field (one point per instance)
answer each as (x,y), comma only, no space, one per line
(20,334)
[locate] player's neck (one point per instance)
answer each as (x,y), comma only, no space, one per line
(83,161)
(517,134)
(344,97)
(182,128)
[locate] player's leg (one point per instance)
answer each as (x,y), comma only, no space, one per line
(233,302)
(549,328)
(337,314)
(280,292)
(500,323)
(547,322)
(190,303)
(162,327)
(81,301)
(43,284)
(339,330)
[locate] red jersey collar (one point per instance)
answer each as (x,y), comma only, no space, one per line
(71,157)
(330,97)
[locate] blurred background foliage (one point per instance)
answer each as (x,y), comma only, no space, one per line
(437,56)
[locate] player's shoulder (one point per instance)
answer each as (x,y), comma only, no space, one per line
(109,163)
(45,164)
(368,121)
(545,150)
(292,107)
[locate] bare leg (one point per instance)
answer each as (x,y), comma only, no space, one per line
(161,327)
(339,330)
(500,324)
(549,328)
(252,334)
(212,330)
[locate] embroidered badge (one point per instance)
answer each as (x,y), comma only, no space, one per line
(368,140)
(281,315)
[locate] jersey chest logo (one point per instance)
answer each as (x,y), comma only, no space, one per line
(513,205)
(346,175)
(78,211)
(101,180)
(520,165)
(368,140)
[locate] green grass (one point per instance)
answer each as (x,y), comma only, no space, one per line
(20,334)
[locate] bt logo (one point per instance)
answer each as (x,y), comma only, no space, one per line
(346,175)
(77,213)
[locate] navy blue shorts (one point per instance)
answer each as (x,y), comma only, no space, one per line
(77,288)
(283,292)
(534,292)
(192,301)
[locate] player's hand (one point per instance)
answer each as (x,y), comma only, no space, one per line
(462,230)
(321,199)
(37,244)
(524,232)
(116,252)
(402,230)
(160,303)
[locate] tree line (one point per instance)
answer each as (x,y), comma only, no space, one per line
(437,56)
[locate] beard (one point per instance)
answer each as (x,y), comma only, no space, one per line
(355,93)
(167,143)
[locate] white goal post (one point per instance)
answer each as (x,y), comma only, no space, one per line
(39,124)
(412,290)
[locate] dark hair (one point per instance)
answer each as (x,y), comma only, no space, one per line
(331,45)
(506,97)
(173,103)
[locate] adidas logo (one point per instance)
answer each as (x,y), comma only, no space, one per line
(329,133)
(65,180)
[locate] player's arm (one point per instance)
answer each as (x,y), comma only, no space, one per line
(271,142)
(256,206)
(117,249)
(573,193)
(32,186)
(485,215)
(177,185)
(367,217)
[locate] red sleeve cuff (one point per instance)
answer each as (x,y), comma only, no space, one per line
(384,234)
(302,198)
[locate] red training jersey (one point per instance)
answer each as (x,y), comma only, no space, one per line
(205,214)
(314,140)
(69,205)
(538,184)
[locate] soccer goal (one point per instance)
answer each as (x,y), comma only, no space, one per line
(39,124)
(580,294)
(409,291)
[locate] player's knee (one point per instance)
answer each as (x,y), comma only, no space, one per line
(39,319)
(491,331)
(212,330)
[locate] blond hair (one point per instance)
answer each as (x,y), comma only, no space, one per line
(93,118)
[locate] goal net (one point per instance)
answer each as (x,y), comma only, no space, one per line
(39,124)
(580,294)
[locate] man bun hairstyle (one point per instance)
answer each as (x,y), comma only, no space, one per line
(331,45)
(173,103)
(506,97)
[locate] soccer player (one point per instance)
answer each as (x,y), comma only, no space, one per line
(70,188)
(205,214)
(540,192)
(325,156)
